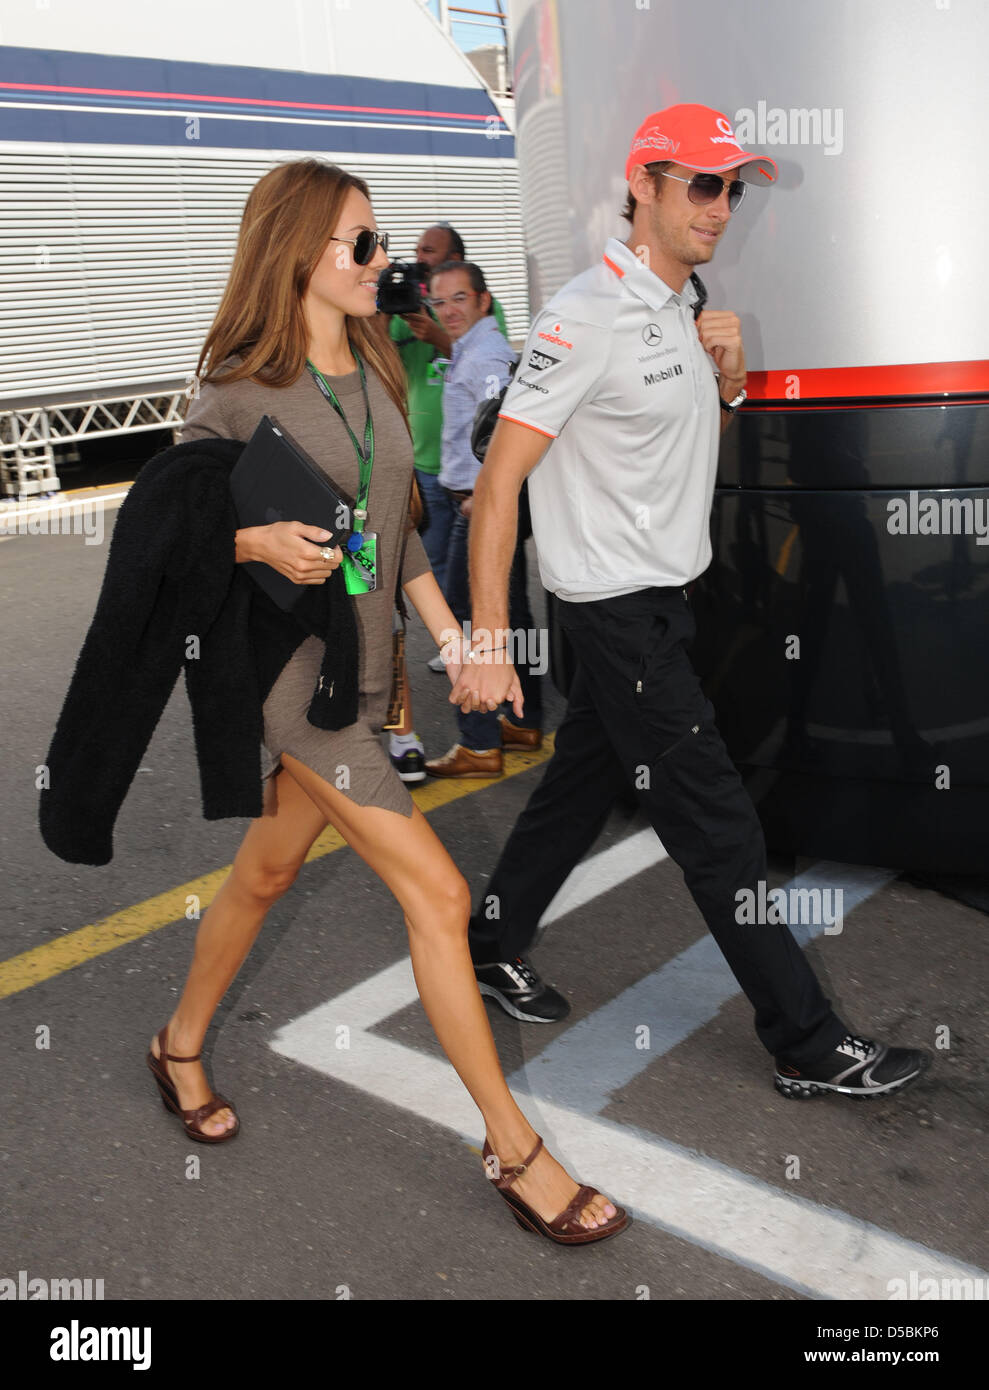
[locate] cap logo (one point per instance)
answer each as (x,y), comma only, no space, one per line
(728,136)
(653,138)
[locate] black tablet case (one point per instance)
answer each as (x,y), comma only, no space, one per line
(275,480)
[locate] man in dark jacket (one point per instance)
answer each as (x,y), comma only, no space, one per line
(173,595)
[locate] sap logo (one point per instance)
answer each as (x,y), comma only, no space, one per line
(541,360)
(650,378)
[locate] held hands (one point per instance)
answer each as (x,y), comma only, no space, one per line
(720,333)
(482,679)
(287,546)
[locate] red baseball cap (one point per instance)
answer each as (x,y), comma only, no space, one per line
(698,137)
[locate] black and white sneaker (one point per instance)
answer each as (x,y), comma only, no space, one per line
(857,1067)
(520,991)
(411,766)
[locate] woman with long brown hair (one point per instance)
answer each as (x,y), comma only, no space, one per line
(297,336)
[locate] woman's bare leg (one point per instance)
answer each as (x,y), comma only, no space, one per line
(409,858)
(266,864)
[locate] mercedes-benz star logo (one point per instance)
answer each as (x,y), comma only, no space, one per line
(652,334)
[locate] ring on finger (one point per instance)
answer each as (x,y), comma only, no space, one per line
(326,551)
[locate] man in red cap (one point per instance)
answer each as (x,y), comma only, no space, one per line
(614,415)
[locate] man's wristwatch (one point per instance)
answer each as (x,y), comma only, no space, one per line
(732,406)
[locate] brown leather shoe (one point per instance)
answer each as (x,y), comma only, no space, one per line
(462,762)
(192,1120)
(565,1229)
(514,736)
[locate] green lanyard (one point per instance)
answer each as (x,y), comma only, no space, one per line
(365,456)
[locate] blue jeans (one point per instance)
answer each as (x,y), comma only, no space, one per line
(439,519)
(480,729)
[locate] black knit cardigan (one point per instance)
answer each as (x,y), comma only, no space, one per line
(173,596)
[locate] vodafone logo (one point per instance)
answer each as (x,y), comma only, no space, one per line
(727,136)
(554,337)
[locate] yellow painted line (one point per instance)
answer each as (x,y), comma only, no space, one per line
(95,487)
(86,943)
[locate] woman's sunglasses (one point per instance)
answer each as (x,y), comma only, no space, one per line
(707,188)
(365,244)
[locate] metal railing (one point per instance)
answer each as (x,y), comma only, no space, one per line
(28,436)
(447,15)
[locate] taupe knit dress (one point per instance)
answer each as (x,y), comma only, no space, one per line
(351,759)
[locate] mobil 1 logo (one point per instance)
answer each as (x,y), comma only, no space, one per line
(662,374)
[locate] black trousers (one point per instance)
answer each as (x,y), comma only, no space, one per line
(637,714)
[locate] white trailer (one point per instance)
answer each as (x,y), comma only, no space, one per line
(129,139)
(841,635)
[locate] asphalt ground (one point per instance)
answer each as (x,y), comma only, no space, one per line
(331,1192)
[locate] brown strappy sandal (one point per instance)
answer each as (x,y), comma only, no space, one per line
(565,1229)
(191,1119)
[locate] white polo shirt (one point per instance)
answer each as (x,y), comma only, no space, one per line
(613,372)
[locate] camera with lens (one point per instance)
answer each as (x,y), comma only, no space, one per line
(401,287)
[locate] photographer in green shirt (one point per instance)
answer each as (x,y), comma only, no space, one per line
(424,348)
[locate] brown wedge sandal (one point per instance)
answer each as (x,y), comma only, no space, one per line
(191,1119)
(565,1229)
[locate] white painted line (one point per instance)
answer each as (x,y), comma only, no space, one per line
(856,881)
(599,1055)
(263,119)
(813,1249)
(605,871)
(12,517)
(394,988)
(371,1002)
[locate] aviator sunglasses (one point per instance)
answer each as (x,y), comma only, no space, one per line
(707,188)
(365,244)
